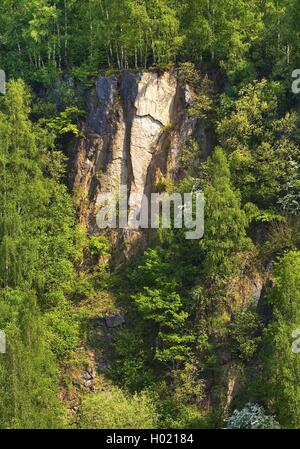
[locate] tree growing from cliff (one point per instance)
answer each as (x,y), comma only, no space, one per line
(158,300)
(225,221)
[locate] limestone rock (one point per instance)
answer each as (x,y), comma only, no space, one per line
(136,127)
(115,321)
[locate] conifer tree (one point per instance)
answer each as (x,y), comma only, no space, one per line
(281,370)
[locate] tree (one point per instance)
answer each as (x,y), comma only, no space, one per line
(158,301)
(225,221)
(279,49)
(28,370)
(221,32)
(38,251)
(281,371)
(262,147)
(37,220)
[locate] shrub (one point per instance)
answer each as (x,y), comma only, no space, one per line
(245,334)
(252,416)
(114,410)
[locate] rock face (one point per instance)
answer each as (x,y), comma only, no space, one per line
(154,110)
(115,321)
(136,127)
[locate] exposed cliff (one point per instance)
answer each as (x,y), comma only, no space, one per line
(135,130)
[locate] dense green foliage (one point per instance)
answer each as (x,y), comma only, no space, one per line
(196,343)
(281,366)
(38,236)
(41,36)
(113,410)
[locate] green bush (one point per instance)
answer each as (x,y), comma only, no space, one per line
(252,417)
(112,409)
(245,335)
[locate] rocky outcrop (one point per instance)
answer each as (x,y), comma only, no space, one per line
(135,130)
(114,321)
